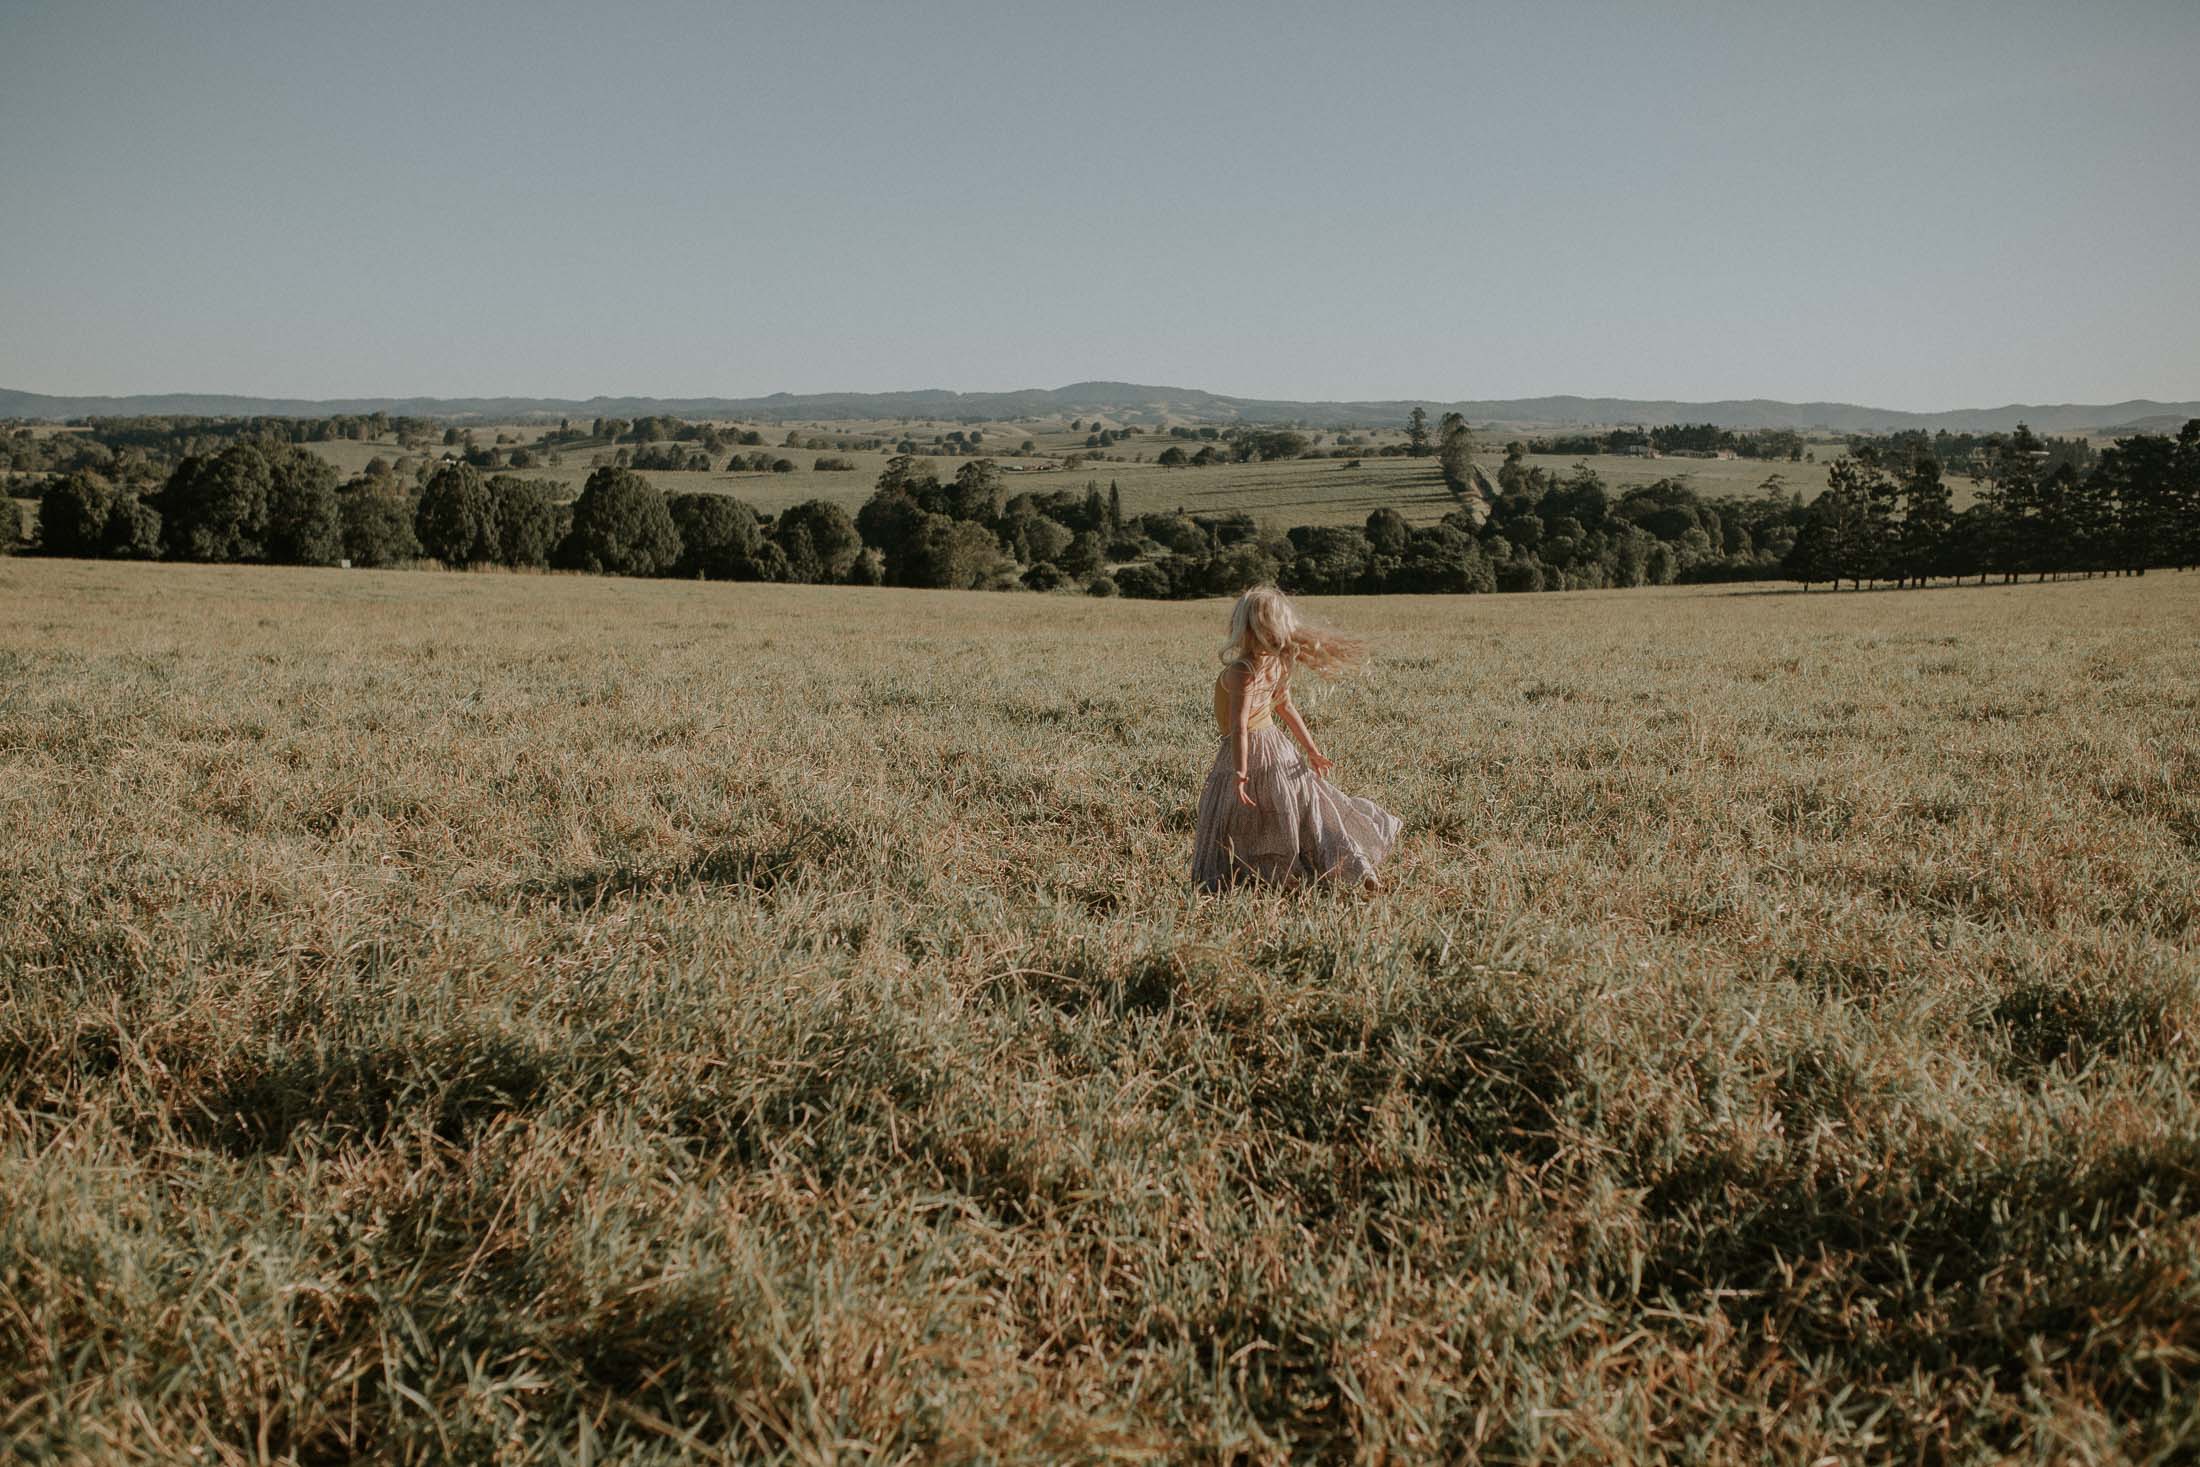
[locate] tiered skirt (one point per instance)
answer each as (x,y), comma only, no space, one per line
(1302,829)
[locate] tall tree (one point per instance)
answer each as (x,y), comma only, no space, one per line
(977,491)
(957,555)
(304,522)
(892,523)
(377,523)
(718,537)
(1417,433)
(831,535)
(1840,537)
(2091,508)
(133,529)
(455,520)
(72,514)
(1882,523)
(2012,500)
(217,508)
(1928,514)
(1455,453)
(622,526)
(2184,529)
(523,520)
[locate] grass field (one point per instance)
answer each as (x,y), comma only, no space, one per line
(542,1018)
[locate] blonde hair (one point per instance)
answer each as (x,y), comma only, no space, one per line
(1264,624)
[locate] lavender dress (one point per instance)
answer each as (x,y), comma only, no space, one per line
(1303,828)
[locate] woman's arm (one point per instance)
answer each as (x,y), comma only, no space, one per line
(1237,681)
(1289,713)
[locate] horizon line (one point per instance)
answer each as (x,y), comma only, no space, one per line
(1083,382)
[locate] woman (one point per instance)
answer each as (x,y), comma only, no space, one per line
(1268,813)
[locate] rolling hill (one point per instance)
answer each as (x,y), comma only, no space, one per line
(1130,402)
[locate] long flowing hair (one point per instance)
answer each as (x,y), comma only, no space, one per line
(1264,624)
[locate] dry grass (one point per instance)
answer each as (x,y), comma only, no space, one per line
(532,1019)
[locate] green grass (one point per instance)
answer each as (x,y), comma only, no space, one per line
(543,1018)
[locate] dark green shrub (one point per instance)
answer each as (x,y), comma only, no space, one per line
(217,508)
(767,563)
(455,520)
(1084,555)
(377,523)
(72,514)
(523,520)
(1146,581)
(831,534)
(133,529)
(803,564)
(1101,586)
(958,555)
(1227,572)
(1035,537)
(303,524)
(1330,560)
(889,522)
(869,569)
(621,526)
(718,537)
(1521,573)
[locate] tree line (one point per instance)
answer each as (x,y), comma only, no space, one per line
(264,501)
(1679,438)
(1886,515)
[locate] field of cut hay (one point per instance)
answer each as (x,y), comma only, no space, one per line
(541,1018)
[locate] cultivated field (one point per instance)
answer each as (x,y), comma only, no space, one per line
(544,1018)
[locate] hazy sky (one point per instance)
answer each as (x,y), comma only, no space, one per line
(1919,205)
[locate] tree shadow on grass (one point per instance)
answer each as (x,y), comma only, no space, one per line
(763,868)
(452,1084)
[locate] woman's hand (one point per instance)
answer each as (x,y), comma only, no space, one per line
(1321,764)
(1244,797)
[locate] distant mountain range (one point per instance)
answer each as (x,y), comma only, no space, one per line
(1125,402)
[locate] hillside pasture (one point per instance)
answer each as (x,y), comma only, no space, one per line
(534,1018)
(1316,491)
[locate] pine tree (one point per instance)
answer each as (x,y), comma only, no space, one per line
(1875,552)
(2013,498)
(1417,433)
(1851,529)
(2183,531)
(2052,530)
(1928,517)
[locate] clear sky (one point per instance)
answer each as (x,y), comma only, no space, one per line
(1927,205)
